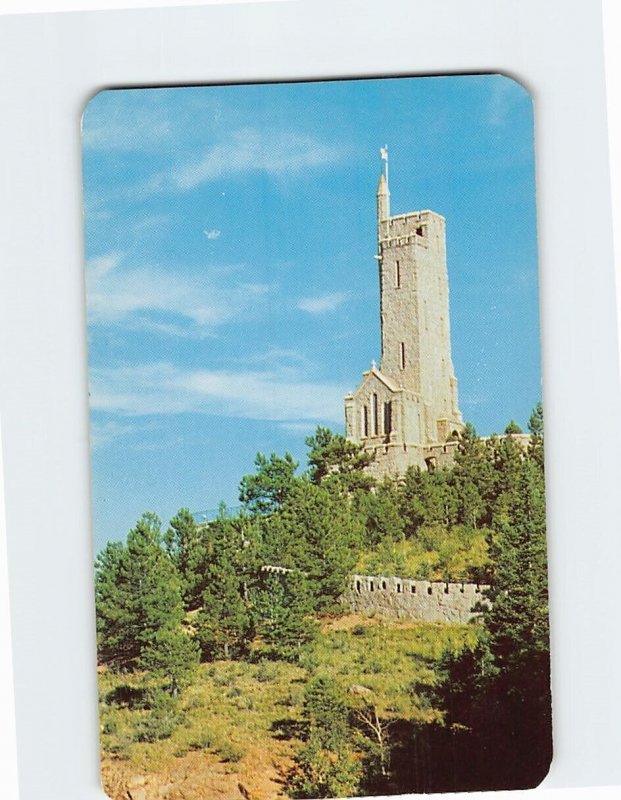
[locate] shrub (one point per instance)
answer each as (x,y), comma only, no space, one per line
(201,742)
(229,752)
(266,672)
(161,721)
(110,726)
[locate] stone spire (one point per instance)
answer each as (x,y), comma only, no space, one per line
(383,198)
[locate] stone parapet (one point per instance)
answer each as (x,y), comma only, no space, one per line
(406,599)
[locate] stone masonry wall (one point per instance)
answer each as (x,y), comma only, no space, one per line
(406,599)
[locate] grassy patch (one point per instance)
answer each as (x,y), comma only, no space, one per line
(388,658)
(438,553)
(241,719)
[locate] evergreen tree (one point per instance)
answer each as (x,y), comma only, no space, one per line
(332,457)
(187,547)
(113,615)
(512,428)
(326,765)
(140,608)
(224,622)
(381,515)
(171,656)
(475,480)
(317,533)
(428,498)
(535,427)
(283,604)
(266,490)
(499,692)
(518,622)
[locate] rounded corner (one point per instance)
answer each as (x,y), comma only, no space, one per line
(519,83)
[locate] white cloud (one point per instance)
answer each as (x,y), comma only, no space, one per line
(275,152)
(323,303)
(306,428)
(104,432)
(166,389)
(144,128)
(214,233)
(131,295)
(500,102)
(277,357)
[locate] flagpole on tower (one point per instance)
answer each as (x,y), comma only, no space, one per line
(384,157)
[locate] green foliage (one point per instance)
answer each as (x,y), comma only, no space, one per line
(161,721)
(380,512)
(535,427)
(499,691)
(331,457)
(518,620)
(171,657)
(428,498)
(139,605)
(114,646)
(228,752)
(186,544)
(512,428)
(326,764)
(317,533)
(224,622)
(283,605)
(267,490)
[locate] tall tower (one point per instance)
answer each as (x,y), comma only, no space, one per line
(410,402)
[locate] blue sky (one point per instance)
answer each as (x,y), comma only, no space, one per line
(231,287)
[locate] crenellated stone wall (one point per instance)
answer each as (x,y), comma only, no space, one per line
(402,598)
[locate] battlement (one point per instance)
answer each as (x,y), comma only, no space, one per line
(405,598)
(415,227)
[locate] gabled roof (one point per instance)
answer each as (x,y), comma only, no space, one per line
(375,373)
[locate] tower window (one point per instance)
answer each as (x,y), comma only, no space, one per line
(402,355)
(397,275)
(374,414)
(387,418)
(365,420)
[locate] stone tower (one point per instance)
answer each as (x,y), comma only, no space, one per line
(406,410)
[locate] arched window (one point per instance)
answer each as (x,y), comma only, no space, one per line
(374,415)
(387,418)
(402,355)
(365,420)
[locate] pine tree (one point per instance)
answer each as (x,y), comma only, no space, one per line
(187,547)
(283,605)
(475,479)
(496,695)
(318,533)
(139,607)
(332,457)
(326,763)
(535,427)
(171,657)
(380,512)
(512,428)
(113,615)
(224,622)
(517,622)
(266,490)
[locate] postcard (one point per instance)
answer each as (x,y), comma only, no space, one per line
(317,439)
